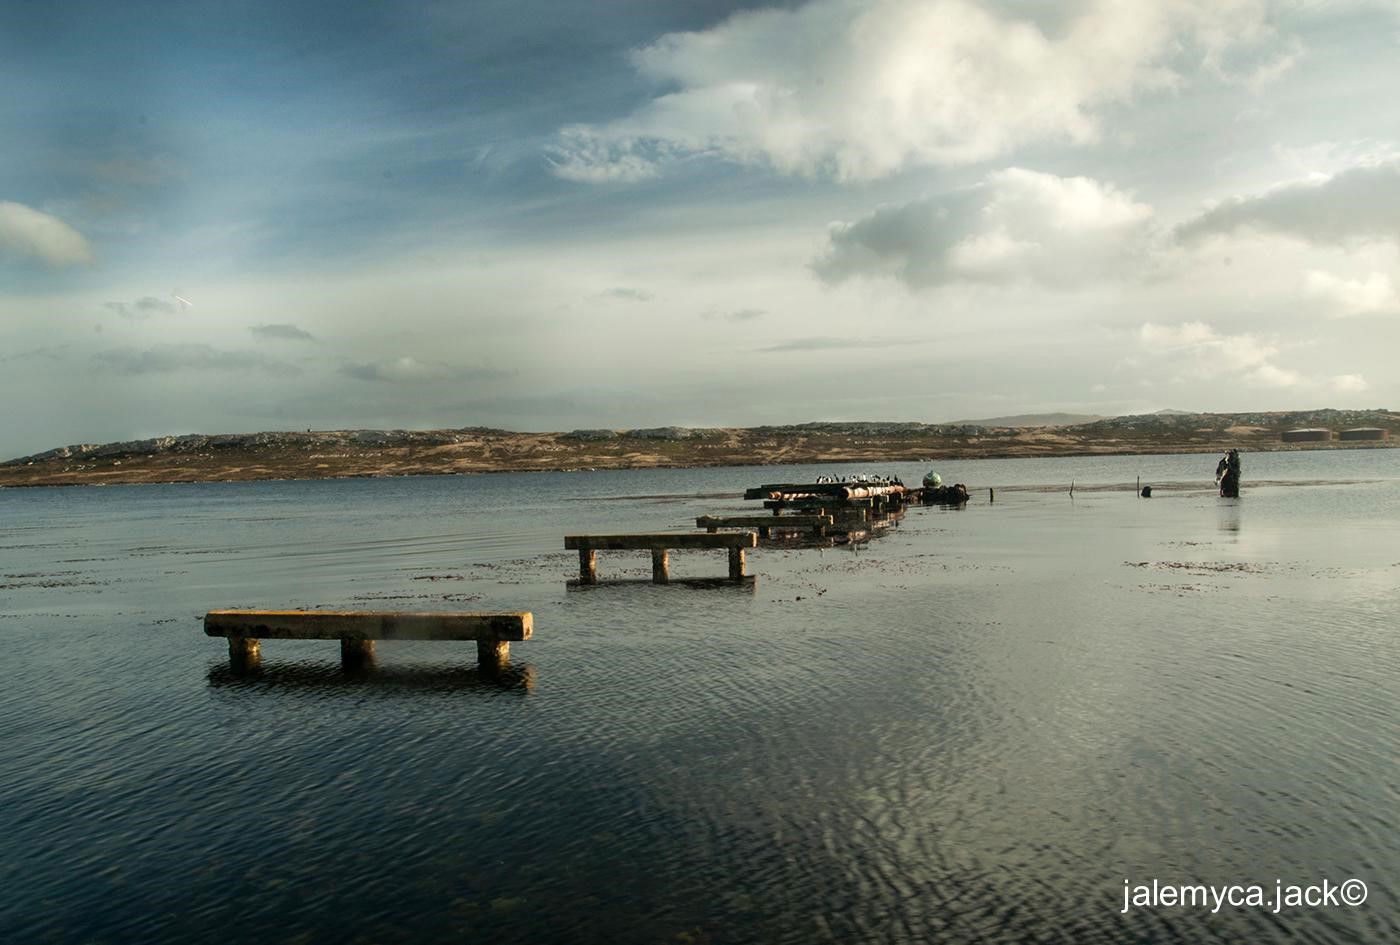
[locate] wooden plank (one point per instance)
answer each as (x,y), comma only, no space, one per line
(762,521)
(659,541)
(368,625)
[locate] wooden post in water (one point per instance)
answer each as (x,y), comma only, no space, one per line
(492,655)
(991,496)
(244,654)
(736,564)
(660,566)
(356,654)
(587,566)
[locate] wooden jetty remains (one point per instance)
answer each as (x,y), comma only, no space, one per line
(357,632)
(814,525)
(660,545)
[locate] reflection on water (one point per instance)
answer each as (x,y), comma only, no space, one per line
(1229,514)
(972,729)
(518,676)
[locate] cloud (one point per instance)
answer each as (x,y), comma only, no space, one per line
(282,332)
(144,307)
(1017,225)
(628,294)
(47,353)
(1346,297)
(411,370)
(1349,384)
(1352,206)
(171,358)
(25,231)
(1196,351)
(858,90)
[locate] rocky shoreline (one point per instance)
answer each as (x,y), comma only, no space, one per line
(362,453)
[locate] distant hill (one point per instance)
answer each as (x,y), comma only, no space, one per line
(333,454)
(1035,420)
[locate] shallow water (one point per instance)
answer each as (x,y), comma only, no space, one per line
(972,729)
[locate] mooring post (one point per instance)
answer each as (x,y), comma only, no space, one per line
(991,496)
(244,654)
(492,655)
(587,566)
(736,564)
(660,566)
(356,654)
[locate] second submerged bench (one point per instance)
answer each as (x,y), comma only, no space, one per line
(660,545)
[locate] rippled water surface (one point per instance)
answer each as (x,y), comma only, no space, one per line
(972,729)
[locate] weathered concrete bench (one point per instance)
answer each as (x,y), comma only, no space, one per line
(357,631)
(660,545)
(766,524)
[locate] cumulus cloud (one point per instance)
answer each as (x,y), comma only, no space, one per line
(1016,225)
(1346,297)
(170,358)
(1196,351)
(857,90)
(282,332)
(411,370)
(1352,206)
(144,307)
(25,231)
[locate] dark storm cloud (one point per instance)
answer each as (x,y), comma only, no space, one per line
(1357,204)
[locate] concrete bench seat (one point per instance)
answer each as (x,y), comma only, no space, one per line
(357,631)
(660,545)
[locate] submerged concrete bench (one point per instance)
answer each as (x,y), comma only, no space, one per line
(357,631)
(660,545)
(766,524)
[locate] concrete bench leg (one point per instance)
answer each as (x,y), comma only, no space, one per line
(736,564)
(492,655)
(356,654)
(587,566)
(244,654)
(660,566)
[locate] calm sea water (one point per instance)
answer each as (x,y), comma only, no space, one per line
(972,729)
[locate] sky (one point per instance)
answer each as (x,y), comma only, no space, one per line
(247,215)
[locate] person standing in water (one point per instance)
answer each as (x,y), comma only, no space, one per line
(1227,473)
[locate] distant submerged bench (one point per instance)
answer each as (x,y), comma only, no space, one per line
(357,631)
(659,544)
